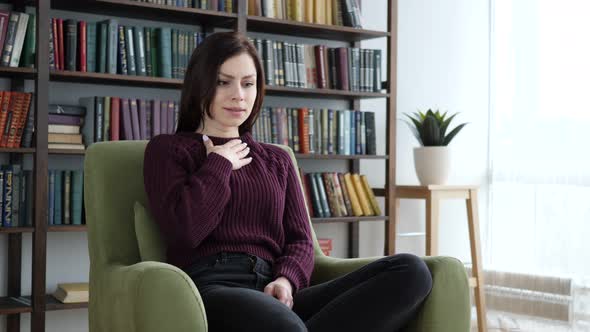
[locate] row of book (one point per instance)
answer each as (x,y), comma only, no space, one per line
(334,194)
(108,47)
(17,38)
(331,12)
(16,119)
(318,66)
(321,130)
(65,191)
(325,245)
(16,193)
(105,118)
(227,6)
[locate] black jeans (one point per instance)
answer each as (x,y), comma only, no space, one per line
(381,296)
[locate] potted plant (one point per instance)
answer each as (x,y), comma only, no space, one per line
(432,158)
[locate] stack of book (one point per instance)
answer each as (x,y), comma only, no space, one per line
(339,195)
(216,5)
(119,118)
(108,47)
(331,12)
(320,130)
(16,121)
(17,38)
(72,292)
(65,122)
(318,66)
(65,199)
(325,245)
(16,189)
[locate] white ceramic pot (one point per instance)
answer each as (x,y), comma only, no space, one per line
(433,164)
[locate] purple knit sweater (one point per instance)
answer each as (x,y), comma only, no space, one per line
(204,207)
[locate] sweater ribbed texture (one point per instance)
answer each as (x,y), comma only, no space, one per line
(203,207)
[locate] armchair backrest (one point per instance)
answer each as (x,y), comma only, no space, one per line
(113,182)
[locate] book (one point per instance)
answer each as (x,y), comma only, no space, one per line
(76,193)
(4,17)
(371,195)
(19,39)
(72,292)
(65,119)
(318,208)
(71,44)
(9,39)
(66,109)
(65,146)
(65,138)
(58,198)
(354,200)
(82,45)
(345,195)
(323,198)
(63,129)
(51,197)
(362,195)
(7,189)
(67,199)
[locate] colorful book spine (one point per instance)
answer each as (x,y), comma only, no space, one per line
(77,188)
(58,198)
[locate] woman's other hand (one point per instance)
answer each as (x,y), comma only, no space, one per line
(235,151)
(282,290)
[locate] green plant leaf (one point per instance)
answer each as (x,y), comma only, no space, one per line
(429,112)
(445,124)
(438,117)
(430,131)
(419,115)
(414,131)
(416,122)
(452,134)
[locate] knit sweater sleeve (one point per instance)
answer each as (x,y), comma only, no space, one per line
(296,261)
(187,205)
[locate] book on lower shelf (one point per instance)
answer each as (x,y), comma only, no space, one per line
(325,245)
(72,292)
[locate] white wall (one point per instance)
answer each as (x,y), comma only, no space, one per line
(443,59)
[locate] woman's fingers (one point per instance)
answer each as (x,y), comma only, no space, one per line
(242,154)
(244,162)
(239,147)
(284,296)
(269,289)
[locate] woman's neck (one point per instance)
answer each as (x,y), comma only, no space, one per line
(228,133)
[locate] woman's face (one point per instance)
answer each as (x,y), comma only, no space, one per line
(235,93)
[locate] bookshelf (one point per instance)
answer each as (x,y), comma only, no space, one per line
(39,302)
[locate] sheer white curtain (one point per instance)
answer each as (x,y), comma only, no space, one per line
(540,146)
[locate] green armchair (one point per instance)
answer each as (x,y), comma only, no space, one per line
(133,290)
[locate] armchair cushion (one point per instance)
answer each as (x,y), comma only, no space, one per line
(150,243)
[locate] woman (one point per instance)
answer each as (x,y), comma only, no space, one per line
(234,219)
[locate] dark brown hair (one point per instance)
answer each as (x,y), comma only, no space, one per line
(200,80)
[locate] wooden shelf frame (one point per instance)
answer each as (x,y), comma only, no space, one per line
(13,230)
(10,305)
(311,30)
(151,12)
(66,228)
(176,84)
(18,72)
(38,302)
(53,304)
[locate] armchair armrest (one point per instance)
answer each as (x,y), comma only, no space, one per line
(147,296)
(447,307)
